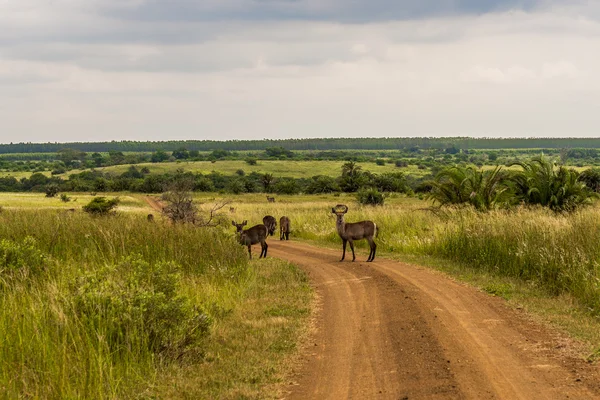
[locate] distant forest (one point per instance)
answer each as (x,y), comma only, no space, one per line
(463,143)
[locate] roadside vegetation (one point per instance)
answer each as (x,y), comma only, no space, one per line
(119,307)
(554,255)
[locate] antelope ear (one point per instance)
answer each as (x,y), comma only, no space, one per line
(245,223)
(233,223)
(333,210)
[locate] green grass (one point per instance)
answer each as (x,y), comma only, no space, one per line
(553,256)
(252,347)
(279,168)
(84,301)
(35,201)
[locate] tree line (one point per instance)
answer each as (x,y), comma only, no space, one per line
(308,144)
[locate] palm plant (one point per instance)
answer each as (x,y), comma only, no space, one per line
(484,190)
(541,182)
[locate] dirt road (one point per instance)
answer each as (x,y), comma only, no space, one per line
(387,330)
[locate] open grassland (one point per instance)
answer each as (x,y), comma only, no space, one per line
(279,168)
(555,256)
(36,201)
(118,307)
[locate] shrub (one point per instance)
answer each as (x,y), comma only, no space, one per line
(286,186)
(370,197)
(100,206)
(58,171)
(322,184)
(251,161)
(484,190)
(540,182)
(65,198)
(52,190)
(380,161)
(21,259)
(135,303)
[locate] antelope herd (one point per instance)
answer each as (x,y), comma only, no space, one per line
(348,232)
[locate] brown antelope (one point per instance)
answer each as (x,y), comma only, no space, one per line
(284,228)
(232,209)
(349,232)
(271,199)
(271,223)
(248,237)
(150,217)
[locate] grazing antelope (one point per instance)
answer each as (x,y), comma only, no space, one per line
(349,232)
(284,228)
(232,209)
(271,199)
(150,218)
(248,237)
(271,223)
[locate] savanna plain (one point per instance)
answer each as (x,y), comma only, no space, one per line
(121,307)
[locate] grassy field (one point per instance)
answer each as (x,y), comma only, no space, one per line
(541,260)
(118,307)
(544,262)
(294,169)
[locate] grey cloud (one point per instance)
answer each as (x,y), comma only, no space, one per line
(320,10)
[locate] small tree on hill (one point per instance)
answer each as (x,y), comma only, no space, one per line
(101,206)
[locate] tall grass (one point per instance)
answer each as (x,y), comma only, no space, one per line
(559,253)
(93,307)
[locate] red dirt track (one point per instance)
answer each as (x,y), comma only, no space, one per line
(388,330)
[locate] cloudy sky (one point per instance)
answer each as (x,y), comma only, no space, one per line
(91,70)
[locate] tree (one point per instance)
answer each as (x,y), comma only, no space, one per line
(181,153)
(180,206)
(267,181)
(159,156)
(116,157)
(98,159)
(352,177)
(52,190)
(101,206)
(278,152)
(69,156)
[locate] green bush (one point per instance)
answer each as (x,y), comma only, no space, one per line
(52,190)
(100,206)
(136,303)
(21,259)
(370,197)
(286,186)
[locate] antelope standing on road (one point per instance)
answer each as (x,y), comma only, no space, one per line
(248,237)
(349,232)
(284,228)
(271,223)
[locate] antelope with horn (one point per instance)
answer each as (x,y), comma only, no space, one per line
(349,232)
